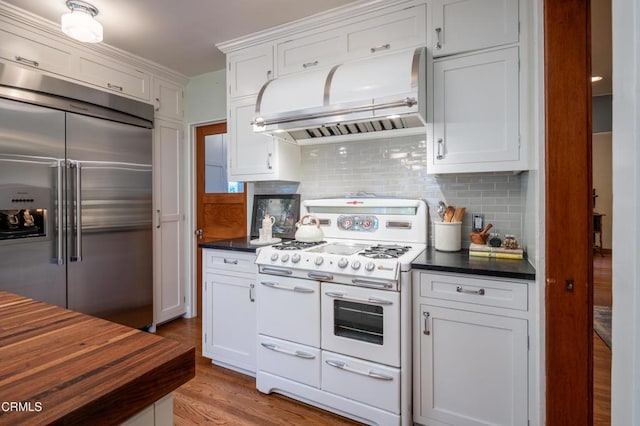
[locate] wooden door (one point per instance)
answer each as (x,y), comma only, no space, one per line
(220,215)
(568,217)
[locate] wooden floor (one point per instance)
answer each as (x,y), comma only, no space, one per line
(601,353)
(221,396)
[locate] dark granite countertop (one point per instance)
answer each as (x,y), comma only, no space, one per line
(461,262)
(235,244)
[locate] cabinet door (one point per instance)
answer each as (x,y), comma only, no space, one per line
(233,310)
(167,100)
(392,32)
(249,153)
(476,113)
(115,77)
(465,25)
(168,220)
(249,69)
(312,52)
(472,368)
(35,51)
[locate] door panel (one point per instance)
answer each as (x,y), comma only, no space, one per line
(110,260)
(31,152)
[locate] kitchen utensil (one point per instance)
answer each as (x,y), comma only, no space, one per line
(448,214)
(458,214)
(441,209)
(482,236)
(308,233)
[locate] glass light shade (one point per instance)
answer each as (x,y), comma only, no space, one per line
(80,25)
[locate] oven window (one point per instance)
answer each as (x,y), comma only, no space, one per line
(358,321)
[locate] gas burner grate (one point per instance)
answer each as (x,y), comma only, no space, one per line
(296,245)
(382,251)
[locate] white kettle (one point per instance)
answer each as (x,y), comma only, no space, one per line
(308,233)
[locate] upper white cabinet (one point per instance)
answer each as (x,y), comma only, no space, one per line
(465,25)
(255,156)
(249,69)
(168,99)
(371,34)
(476,113)
(311,52)
(35,51)
(115,77)
(388,33)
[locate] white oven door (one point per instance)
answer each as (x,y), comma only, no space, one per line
(361,322)
(289,309)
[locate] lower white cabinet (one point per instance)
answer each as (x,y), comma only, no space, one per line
(229,309)
(471,350)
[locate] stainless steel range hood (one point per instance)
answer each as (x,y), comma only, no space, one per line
(376,97)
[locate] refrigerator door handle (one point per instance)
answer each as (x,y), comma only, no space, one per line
(59,166)
(77,203)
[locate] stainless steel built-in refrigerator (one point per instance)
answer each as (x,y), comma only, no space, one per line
(76,197)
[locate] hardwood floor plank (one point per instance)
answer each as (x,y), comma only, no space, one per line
(602,284)
(224,397)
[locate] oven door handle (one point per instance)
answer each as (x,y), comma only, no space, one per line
(276,348)
(344,366)
(296,289)
(372,283)
(371,300)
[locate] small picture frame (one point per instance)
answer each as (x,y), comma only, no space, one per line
(284,207)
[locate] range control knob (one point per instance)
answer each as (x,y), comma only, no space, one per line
(355,264)
(318,261)
(284,257)
(343,262)
(369,266)
(274,256)
(295,258)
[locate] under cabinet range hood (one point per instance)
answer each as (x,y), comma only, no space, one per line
(376,97)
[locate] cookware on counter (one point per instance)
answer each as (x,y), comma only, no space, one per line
(307,232)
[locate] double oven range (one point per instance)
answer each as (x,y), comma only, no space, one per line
(334,317)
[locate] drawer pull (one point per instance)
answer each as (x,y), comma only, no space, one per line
(114,87)
(440,154)
(230,262)
(426,330)
(296,289)
(251,296)
(381,47)
(310,64)
(276,271)
(28,61)
(320,276)
(299,354)
(479,292)
(344,366)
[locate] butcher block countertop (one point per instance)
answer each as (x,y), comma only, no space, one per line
(63,367)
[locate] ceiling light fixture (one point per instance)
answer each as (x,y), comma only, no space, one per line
(80,23)
(596,78)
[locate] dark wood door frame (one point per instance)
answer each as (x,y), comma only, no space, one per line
(568,221)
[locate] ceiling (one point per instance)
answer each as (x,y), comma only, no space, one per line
(181,35)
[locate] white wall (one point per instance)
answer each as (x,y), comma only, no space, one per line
(625,381)
(205,98)
(603,184)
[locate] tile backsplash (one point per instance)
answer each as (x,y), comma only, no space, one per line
(397,167)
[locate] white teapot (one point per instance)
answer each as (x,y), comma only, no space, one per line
(308,233)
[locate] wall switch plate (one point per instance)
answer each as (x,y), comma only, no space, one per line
(478,222)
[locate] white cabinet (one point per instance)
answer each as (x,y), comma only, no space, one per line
(470,350)
(255,156)
(371,34)
(169,296)
(114,77)
(168,100)
(228,309)
(35,51)
(465,25)
(249,69)
(476,114)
